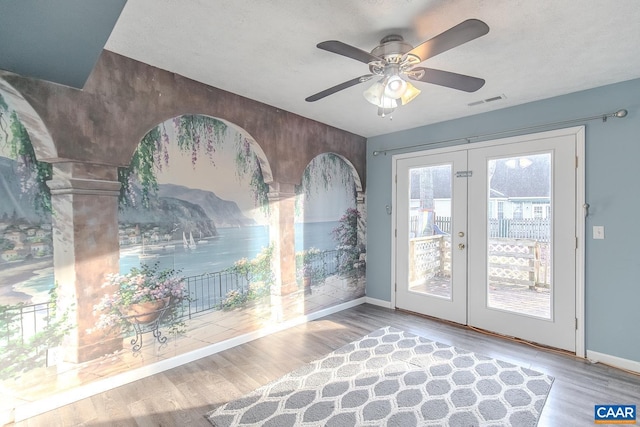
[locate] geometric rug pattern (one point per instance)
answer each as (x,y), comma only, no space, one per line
(394,378)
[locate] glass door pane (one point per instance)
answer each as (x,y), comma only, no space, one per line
(519,231)
(430,230)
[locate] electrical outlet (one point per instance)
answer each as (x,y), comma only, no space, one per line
(598,231)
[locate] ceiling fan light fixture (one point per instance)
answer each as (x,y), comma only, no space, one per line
(396,87)
(375,93)
(409,94)
(387,103)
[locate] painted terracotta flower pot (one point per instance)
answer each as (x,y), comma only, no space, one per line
(145,312)
(306,282)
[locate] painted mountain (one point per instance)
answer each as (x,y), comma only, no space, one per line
(169,216)
(223,213)
(177,207)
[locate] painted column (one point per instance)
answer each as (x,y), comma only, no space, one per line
(282,236)
(361,207)
(84,198)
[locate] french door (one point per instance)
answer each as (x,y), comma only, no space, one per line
(486,235)
(432,259)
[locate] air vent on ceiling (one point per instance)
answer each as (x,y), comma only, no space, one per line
(484,101)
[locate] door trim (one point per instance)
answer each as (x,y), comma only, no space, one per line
(581,213)
(578,132)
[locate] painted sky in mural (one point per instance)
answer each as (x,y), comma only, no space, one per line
(218,174)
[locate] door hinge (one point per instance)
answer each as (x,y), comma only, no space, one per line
(576,162)
(396,179)
(576,323)
(395,287)
(576,243)
(464,174)
(395,232)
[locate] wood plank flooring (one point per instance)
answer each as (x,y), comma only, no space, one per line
(181,396)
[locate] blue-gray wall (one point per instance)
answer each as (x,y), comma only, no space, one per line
(612,191)
(59,40)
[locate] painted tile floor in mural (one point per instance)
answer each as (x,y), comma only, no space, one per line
(210,328)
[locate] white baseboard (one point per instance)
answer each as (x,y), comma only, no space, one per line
(41,406)
(618,362)
(378,302)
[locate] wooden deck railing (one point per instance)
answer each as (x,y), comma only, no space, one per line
(515,261)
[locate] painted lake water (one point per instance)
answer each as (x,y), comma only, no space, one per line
(212,255)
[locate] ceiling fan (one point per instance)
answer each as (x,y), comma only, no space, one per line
(395,62)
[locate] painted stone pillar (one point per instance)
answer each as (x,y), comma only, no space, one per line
(282,236)
(84,198)
(361,207)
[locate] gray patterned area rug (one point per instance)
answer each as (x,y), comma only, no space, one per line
(394,378)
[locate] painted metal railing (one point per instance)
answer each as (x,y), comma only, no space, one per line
(207,293)
(23,321)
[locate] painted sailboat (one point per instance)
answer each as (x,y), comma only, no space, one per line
(192,243)
(202,241)
(188,244)
(144,256)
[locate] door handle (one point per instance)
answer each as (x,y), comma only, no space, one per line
(461,246)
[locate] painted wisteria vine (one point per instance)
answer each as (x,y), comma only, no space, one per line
(326,169)
(197,135)
(32,174)
(323,172)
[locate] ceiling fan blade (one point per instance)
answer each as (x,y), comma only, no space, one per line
(454,36)
(338,88)
(448,79)
(348,51)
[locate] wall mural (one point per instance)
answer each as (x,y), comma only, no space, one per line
(25,215)
(196,257)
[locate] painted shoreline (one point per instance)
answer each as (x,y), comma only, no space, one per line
(14,276)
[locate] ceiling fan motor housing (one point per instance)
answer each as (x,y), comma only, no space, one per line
(393,49)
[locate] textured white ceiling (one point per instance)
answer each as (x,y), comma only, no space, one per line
(266,50)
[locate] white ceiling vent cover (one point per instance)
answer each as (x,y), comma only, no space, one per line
(484,101)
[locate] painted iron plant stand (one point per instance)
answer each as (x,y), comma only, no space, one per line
(141,300)
(145,317)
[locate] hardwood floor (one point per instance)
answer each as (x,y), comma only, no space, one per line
(181,396)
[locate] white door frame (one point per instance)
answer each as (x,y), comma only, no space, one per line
(578,132)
